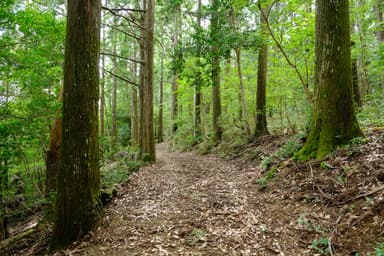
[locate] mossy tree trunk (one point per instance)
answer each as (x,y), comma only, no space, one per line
(77,205)
(334,120)
(261,111)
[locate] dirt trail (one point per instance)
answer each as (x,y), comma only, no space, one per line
(187,204)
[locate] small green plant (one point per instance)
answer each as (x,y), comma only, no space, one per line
(308,224)
(263,182)
(324,166)
(342,179)
(265,230)
(321,245)
(265,163)
(196,236)
(289,148)
(379,250)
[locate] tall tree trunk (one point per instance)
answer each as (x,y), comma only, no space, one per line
(142,81)
(216,101)
(244,114)
(198,80)
(261,107)
(77,205)
(134,107)
(355,83)
(149,153)
(174,96)
(362,61)
(114,104)
(160,120)
(334,120)
(102,98)
(53,153)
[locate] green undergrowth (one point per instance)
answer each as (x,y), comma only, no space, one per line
(117,172)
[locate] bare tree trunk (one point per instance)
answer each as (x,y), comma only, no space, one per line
(114,105)
(362,66)
(244,114)
(261,111)
(134,108)
(198,80)
(216,101)
(102,98)
(142,82)
(77,205)
(53,153)
(355,83)
(148,139)
(160,120)
(174,96)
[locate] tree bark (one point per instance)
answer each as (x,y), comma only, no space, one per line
(77,205)
(198,80)
(149,153)
(114,105)
(216,101)
(355,83)
(160,120)
(334,120)
(102,99)
(134,108)
(261,108)
(363,74)
(53,153)
(174,96)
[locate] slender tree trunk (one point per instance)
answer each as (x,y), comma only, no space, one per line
(365,86)
(77,205)
(216,101)
(334,120)
(142,82)
(102,98)
(174,96)
(244,114)
(261,111)
(114,105)
(160,120)
(134,108)
(198,80)
(355,83)
(149,153)
(53,153)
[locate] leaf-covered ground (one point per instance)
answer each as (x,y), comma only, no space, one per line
(187,204)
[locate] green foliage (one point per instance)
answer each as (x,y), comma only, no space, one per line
(289,148)
(379,250)
(263,182)
(321,246)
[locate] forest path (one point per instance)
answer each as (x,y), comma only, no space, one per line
(187,204)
